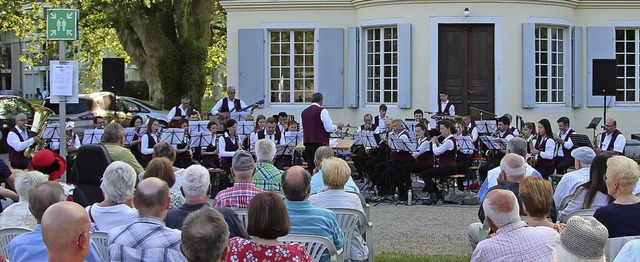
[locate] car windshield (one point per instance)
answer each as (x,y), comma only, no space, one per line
(83,105)
(145,104)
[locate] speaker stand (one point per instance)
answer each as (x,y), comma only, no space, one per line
(604,109)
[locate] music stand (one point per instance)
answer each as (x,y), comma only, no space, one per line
(92,136)
(292,139)
(411,127)
(594,123)
(201,139)
(357,140)
(493,143)
(369,139)
(238,116)
(635,136)
(198,126)
(51,132)
(486,126)
(129,133)
(173,136)
(465,142)
(580,140)
(143,130)
(245,128)
(396,143)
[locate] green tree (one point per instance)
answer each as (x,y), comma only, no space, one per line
(176,45)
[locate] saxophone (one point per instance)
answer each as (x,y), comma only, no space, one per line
(40,116)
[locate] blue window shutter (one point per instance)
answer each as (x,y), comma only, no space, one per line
(404,66)
(600,45)
(353,56)
(331,66)
(578,66)
(251,64)
(528,66)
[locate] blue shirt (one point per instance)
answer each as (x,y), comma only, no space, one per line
(309,220)
(317,184)
(30,247)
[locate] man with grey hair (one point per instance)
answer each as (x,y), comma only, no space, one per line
(204,236)
(147,238)
(196,189)
(305,218)
(30,246)
(118,183)
(243,190)
(267,176)
(517,146)
(583,156)
(113,137)
(229,104)
(514,241)
(318,126)
(17,214)
(18,140)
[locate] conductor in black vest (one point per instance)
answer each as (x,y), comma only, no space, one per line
(317,126)
(229,104)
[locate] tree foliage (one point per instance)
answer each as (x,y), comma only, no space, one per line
(176,45)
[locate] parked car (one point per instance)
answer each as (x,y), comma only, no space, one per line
(145,110)
(104,104)
(10,106)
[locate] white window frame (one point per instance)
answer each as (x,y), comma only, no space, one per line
(636,64)
(292,67)
(551,76)
(364,68)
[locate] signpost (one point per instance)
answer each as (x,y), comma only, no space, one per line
(62,25)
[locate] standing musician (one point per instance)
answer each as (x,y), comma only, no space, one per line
(229,143)
(360,159)
(318,125)
(149,140)
(182,110)
(183,150)
(397,172)
(563,140)
(447,164)
(612,141)
(544,149)
(463,156)
(282,122)
(423,154)
(529,135)
(229,104)
(445,109)
(210,152)
(18,140)
(503,132)
(379,120)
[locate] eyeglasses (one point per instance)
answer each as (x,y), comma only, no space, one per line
(604,177)
(80,236)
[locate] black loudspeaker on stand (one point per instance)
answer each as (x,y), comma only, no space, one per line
(604,80)
(113,75)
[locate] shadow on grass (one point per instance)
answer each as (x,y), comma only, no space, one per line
(399,257)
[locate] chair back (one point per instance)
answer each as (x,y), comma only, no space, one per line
(349,220)
(101,241)
(365,205)
(243,215)
(315,246)
(564,203)
(87,171)
(582,212)
(614,245)
(6,235)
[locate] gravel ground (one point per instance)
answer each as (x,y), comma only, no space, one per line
(418,229)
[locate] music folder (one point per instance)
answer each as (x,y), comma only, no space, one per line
(580,140)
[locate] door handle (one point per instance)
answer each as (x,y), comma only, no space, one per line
(471,91)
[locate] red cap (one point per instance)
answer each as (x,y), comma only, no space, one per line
(44,159)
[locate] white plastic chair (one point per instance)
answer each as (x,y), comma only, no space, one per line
(349,219)
(614,245)
(315,246)
(564,203)
(6,235)
(102,242)
(365,205)
(582,212)
(243,215)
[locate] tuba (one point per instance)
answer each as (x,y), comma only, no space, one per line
(40,116)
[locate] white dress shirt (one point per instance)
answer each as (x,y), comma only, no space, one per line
(254,138)
(443,105)
(508,137)
(216,108)
(445,146)
(325,118)
(567,145)
(14,141)
(473,133)
(76,143)
(618,145)
(144,144)
(424,145)
(222,145)
(568,184)
(576,203)
(549,150)
(172,112)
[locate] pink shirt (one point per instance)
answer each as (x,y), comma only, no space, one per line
(517,242)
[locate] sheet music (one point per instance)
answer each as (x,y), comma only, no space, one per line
(494,143)
(143,130)
(368,139)
(201,139)
(92,136)
(486,126)
(51,132)
(129,133)
(411,127)
(396,143)
(465,144)
(238,116)
(173,136)
(357,140)
(245,128)
(198,126)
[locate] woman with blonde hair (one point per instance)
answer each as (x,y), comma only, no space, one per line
(537,198)
(317,181)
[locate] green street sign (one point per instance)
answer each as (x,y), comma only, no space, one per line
(62,24)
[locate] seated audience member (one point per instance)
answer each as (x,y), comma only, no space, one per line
(17,214)
(629,252)
(113,137)
(267,176)
(204,236)
(582,240)
(147,238)
(161,168)
(514,241)
(317,181)
(583,156)
(30,246)
(265,231)
(118,183)
(54,166)
(165,150)
(242,170)
(536,196)
(593,193)
(621,216)
(336,172)
(305,218)
(65,232)
(196,189)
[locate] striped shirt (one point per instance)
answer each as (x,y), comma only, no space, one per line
(237,196)
(309,220)
(517,242)
(267,177)
(146,239)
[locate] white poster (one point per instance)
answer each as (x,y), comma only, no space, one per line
(70,95)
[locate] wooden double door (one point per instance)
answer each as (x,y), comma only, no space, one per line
(466,66)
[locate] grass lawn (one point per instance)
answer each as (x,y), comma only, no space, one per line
(398,257)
